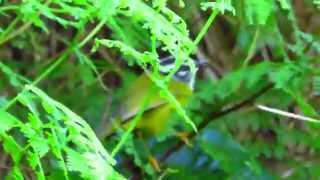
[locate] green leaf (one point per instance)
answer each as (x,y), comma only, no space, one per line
(221,5)
(285,4)
(88,155)
(15,174)
(13,148)
(282,75)
(77,162)
(15,79)
(258,11)
(7,121)
(30,14)
(317,3)
(40,145)
(34,161)
(220,147)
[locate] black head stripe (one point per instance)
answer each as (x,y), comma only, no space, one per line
(183,74)
(167,61)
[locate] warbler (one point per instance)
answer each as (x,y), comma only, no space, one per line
(158,111)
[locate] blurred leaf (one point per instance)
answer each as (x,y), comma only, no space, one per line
(258,11)
(7,121)
(222,148)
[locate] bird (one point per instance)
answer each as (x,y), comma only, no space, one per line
(157,114)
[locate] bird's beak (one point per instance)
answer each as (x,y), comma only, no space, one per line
(201,62)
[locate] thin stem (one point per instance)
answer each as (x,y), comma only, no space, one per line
(9,7)
(64,56)
(15,33)
(283,44)
(53,66)
(41,77)
(204,30)
(9,28)
(11,102)
(252,48)
(93,32)
(135,121)
(7,70)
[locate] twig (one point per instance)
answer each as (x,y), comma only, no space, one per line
(287,114)
(252,48)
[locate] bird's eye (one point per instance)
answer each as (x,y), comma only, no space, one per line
(182,73)
(183,76)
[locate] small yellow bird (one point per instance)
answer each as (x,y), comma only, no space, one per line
(157,114)
(158,111)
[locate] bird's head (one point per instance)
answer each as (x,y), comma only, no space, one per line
(184,74)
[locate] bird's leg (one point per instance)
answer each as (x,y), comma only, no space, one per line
(184,137)
(154,163)
(152,160)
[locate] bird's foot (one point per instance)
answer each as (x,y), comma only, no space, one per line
(184,136)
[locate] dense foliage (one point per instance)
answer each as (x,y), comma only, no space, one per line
(68,67)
